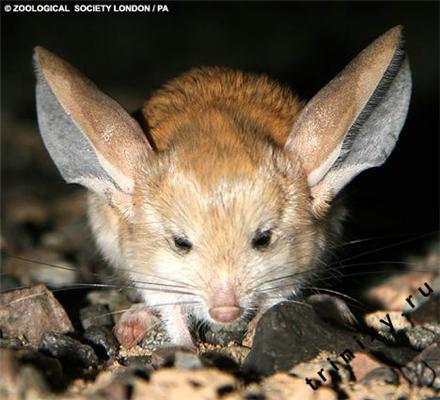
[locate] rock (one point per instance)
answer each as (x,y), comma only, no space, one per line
(136,361)
(28,374)
(419,374)
(135,356)
(33,382)
(116,390)
(223,335)
(95,315)
(363,363)
(334,371)
(220,360)
(424,369)
(381,374)
(291,333)
(11,343)
(110,385)
(115,300)
(387,323)
(68,350)
(56,273)
(186,360)
(49,367)
(31,312)
(40,265)
(282,386)
(102,341)
(427,312)
(393,292)
(9,370)
(393,355)
(195,384)
(422,336)
(10,282)
(165,356)
(381,391)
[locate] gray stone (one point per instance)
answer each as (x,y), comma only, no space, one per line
(9,282)
(11,343)
(220,360)
(68,350)
(381,374)
(291,333)
(186,360)
(136,361)
(420,337)
(424,369)
(95,315)
(428,311)
(102,341)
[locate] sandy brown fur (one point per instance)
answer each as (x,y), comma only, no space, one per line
(247,98)
(215,126)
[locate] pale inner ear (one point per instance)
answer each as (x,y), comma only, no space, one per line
(91,138)
(318,173)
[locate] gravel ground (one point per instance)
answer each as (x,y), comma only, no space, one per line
(57,337)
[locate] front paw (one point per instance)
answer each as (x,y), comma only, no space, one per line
(133,325)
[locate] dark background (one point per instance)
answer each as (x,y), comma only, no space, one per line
(301,44)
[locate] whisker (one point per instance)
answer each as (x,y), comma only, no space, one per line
(184,285)
(96,285)
(386,247)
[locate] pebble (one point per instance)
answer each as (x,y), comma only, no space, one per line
(136,361)
(115,300)
(380,321)
(424,369)
(102,341)
(11,343)
(68,350)
(31,312)
(310,369)
(381,374)
(290,333)
(220,360)
(54,277)
(95,315)
(420,337)
(50,367)
(194,384)
(282,386)
(10,282)
(186,360)
(363,363)
(427,312)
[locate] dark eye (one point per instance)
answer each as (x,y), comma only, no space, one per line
(261,239)
(182,244)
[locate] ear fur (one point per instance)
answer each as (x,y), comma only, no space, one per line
(353,123)
(90,137)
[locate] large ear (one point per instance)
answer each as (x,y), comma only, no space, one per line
(90,137)
(353,123)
